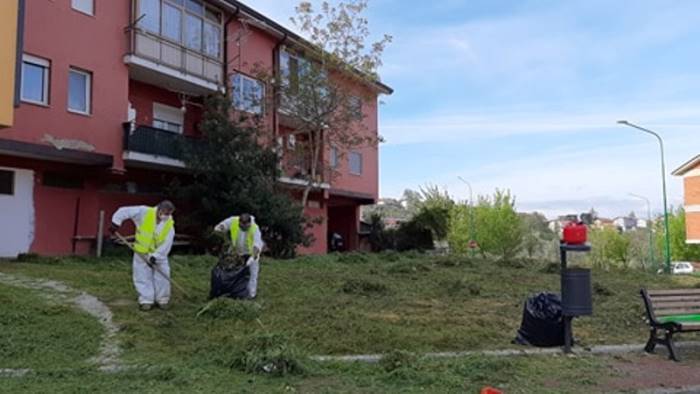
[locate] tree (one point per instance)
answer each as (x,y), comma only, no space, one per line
(434,211)
(232,173)
(315,91)
(680,250)
(610,246)
(499,229)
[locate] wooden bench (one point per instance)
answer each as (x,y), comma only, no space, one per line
(670,311)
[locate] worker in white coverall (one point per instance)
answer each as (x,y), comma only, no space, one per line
(246,241)
(155,231)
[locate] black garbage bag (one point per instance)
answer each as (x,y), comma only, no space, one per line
(229,280)
(543,324)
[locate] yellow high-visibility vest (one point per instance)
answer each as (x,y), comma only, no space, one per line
(250,236)
(147,241)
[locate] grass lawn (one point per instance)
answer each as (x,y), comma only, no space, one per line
(345,304)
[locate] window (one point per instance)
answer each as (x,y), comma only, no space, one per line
(79,91)
(194,6)
(35,80)
(190,23)
(355,163)
(194,33)
(55,179)
(172,22)
(149,12)
(248,93)
(292,67)
(167,118)
(334,162)
(84,6)
(355,107)
(7,182)
(212,39)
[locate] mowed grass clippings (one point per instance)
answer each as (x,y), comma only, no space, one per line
(341,305)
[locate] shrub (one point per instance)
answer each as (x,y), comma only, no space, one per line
(398,359)
(269,354)
(228,308)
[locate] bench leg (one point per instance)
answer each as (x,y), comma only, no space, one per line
(653,340)
(672,352)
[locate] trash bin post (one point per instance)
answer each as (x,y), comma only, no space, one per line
(567,315)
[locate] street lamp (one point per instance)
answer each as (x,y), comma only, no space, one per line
(667,242)
(471,216)
(649,223)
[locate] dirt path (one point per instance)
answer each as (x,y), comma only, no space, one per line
(655,373)
(108,357)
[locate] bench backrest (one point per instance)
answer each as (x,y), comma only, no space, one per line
(660,303)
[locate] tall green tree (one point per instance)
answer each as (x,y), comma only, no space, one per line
(230,173)
(321,87)
(680,250)
(498,228)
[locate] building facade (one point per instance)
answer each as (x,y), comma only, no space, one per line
(690,171)
(105,92)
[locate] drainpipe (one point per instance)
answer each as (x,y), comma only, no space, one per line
(275,70)
(225,65)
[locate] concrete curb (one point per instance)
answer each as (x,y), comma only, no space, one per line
(675,390)
(594,350)
(13,373)
(108,358)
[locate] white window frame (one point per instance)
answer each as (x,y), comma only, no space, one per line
(169,114)
(88,91)
(237,94)
(205,17)
(46,65)
(356,103)
(350,169)
(78,6)
(334,159)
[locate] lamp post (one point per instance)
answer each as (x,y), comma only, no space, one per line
(667,242)
(471,215)
(651,234)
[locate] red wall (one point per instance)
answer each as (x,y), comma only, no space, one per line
(142,96)
(319,231)
(65,37)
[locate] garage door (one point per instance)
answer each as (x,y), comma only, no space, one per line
(16,211)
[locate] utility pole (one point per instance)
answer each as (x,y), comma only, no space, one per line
(667,240)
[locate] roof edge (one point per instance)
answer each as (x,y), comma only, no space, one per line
(687,166)
(382,87)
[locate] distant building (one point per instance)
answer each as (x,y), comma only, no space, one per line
(602,223)
(625,223)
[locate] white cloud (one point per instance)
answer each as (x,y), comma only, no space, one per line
(571,180)
(470,127)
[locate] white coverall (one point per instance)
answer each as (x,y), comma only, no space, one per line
(151,285)
(242,249)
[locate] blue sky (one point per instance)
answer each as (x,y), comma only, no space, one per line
(524,95)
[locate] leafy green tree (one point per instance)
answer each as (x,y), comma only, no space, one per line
(498,227)
(610,247)
(314,92)
(230,172)
(680,250)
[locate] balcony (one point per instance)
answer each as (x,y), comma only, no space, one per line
(149,147)
(295,173)
(192,64)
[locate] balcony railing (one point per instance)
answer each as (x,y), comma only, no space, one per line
(155,142)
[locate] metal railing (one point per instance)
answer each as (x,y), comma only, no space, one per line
(154,141)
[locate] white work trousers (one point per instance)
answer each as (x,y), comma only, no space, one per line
(151,285)
(254,268)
